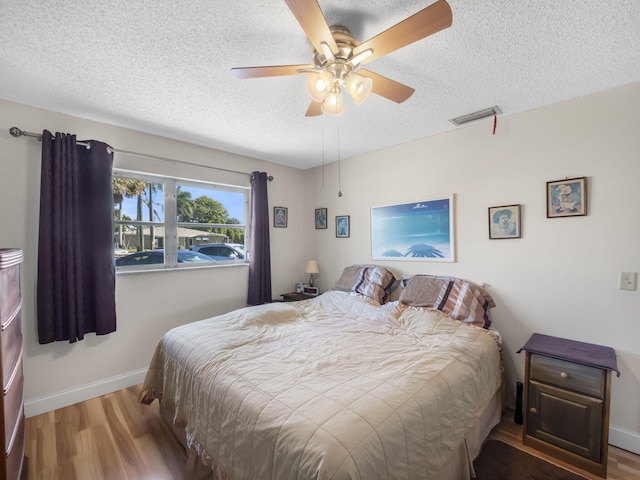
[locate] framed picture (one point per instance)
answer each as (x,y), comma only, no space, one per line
(504,222)
(567,198)
(421,230)
(280,217)
(343,226)
(321,218)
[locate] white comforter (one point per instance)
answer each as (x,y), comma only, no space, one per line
(336,387)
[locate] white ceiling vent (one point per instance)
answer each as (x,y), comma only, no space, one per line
(472,117)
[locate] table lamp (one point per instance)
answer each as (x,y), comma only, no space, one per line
(312,268)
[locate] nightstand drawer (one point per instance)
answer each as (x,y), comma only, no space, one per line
(573,376)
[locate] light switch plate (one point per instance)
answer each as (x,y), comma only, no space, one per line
(627,280)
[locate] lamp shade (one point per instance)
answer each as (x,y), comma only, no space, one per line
(312,267)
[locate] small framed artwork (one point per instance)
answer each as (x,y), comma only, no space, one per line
(321,218)
(504,222)
(567,198)
(343,226)
(280,217)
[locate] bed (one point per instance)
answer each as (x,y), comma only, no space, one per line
(346,385)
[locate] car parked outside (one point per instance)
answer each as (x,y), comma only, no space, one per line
(219,251)
(154,257)
(237,246)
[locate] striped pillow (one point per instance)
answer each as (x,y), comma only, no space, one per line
(466,302)
(369,280)
(422,290)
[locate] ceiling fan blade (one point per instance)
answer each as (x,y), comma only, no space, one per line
(312,21)
(387,88)
(314,109)
(426,22)
(273,71)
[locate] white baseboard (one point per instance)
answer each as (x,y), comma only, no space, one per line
(625,439)
(80,394)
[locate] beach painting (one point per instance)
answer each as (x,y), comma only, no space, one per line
(421,230)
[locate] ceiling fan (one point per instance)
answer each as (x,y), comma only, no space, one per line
(338,56)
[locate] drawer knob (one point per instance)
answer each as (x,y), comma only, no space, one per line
(564,375)
(533,410)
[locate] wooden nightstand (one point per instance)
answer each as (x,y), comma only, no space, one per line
(295,297)
(567,392)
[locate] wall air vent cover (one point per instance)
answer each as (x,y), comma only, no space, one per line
(472,117)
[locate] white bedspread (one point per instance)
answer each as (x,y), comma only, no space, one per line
(336,387)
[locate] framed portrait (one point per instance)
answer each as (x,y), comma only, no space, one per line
(280,217)
(567,198)
(343,226)
(321,218)
(421,230)
(504,222)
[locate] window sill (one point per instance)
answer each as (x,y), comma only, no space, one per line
(179,269)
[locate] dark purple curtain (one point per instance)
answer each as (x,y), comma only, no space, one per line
(259,248)
(76,268)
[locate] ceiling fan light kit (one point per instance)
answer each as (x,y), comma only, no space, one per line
(338,56)
(332,103)
(359,87)
(318,85)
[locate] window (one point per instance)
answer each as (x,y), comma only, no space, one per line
(162,222)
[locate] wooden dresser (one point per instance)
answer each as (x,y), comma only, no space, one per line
(567,393)
(11,405)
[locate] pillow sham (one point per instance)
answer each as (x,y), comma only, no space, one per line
(371,281)
(466,301)
(421,290)
(460,299)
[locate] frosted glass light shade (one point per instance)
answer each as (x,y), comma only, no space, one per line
(318,85)
(332,104)
(359,87)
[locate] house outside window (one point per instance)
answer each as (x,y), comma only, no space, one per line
(162,222)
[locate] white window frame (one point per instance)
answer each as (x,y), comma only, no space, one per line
(171,224)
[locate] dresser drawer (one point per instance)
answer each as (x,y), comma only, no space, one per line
(13,397)
(15,456)
(10,291)
(11,345)
(568,375)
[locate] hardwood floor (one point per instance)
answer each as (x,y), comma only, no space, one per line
(105,438)
(113,437)
(622,465)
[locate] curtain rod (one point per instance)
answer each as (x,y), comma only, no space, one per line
(16,132)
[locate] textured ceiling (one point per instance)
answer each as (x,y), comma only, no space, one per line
(164,67)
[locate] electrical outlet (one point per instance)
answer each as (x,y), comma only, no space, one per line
(627,280)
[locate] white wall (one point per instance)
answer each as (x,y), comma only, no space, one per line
(148,304)
(561,277)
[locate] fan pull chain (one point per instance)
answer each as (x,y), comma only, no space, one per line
(339,169)
(323,150)
(495,123)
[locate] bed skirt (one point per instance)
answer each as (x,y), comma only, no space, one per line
(459,467)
